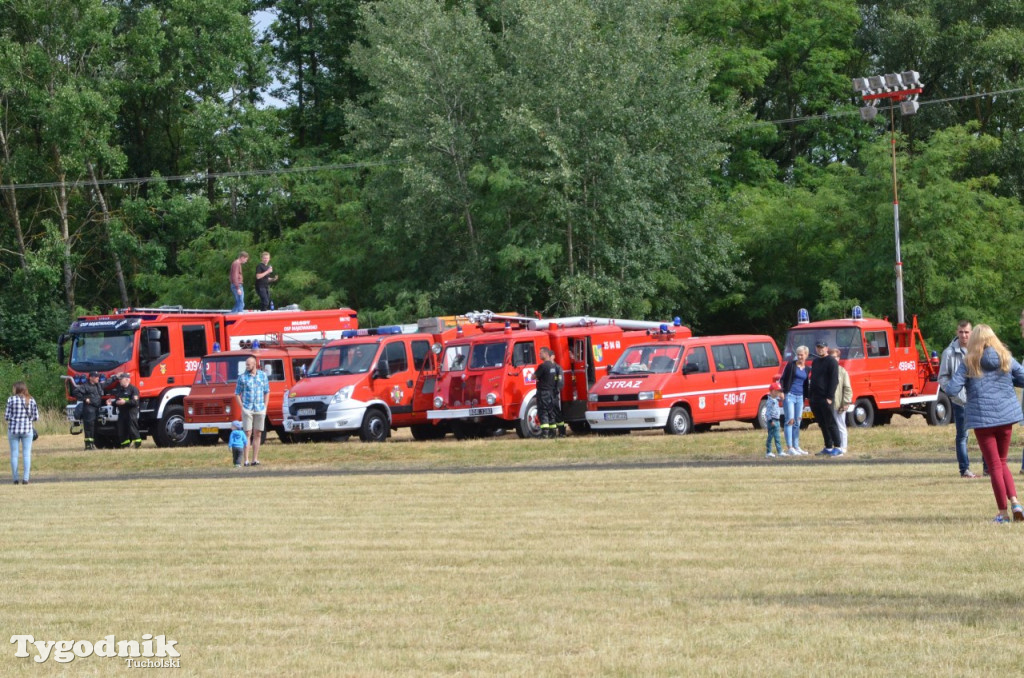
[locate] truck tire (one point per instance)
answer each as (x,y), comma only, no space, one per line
(170,431)
(529,426)
(580,428)
(427,431)
(862,415)
(375,428)
(679,422)
(940,412)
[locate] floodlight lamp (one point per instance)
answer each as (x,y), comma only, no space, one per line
(860,85)
(911,79)
(893,81)
(868,113)
(877,83)
(908,107)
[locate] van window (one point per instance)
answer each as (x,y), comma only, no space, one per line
(762,354)
(421,355)
(297,366)
(523,354)
(394,353)
(878,344)
(697,356)
(730,357)
(193,337)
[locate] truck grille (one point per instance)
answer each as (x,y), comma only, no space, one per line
(618,407)
(465,392)
(319,411)
(615,398)
(208,408)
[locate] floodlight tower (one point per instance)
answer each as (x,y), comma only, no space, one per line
(903,89)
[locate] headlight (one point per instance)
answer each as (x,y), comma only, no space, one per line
(491,398)
(591,397)
(190,411)
(227,409)
(343,394)
(438,402)
(645,395)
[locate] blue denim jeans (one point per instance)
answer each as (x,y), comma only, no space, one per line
(24,442)
(239,294)
(959,420)
(793,407)
(773,436)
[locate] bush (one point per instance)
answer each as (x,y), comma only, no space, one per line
(42,377)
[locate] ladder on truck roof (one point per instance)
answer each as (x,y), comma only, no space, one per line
(183,310)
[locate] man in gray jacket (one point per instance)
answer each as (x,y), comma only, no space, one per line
(952,357)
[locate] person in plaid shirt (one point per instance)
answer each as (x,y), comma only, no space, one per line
(21,411)
(253,389)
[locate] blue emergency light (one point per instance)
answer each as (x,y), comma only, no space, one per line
(677,321)
(255,343)
(858,313)
(663,328)
(802,316)
(348,334)
(216,347)
(390,329)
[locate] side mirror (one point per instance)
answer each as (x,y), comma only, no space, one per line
(382,371)
(61,358)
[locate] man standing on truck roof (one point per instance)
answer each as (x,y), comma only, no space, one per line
(823,382)
(952,357)
(549,393)
(235,279)
(253,390)
(264,276)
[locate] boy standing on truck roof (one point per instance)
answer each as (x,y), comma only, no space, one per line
(235,279)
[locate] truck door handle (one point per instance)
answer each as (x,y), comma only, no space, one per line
(170,380)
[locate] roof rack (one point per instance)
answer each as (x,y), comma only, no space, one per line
(181,309)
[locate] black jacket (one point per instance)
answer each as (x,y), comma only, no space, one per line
(130,394)
(824,377)
(89,393)
(549,376)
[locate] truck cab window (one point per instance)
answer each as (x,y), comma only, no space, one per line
(193,339)
(523,354)
(421,355)
(394,353)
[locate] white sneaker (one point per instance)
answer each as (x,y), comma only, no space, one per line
(785,453)
(802,452)
(769,455)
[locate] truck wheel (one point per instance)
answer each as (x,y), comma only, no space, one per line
(580,428)
(679,422)
(170,431)
(286,438)
(376,428)
(427,431)
(940,412)
(529,426)
(759,419)
(862,415)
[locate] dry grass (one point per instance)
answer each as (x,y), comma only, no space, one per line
(796,567)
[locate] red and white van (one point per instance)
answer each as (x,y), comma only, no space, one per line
(682,384)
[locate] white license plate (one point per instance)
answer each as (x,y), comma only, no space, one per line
(478,411)
(614,416)
(209,429)
(306,412)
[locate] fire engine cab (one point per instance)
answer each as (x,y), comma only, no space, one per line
(890,368)
(487,383)
(162,349)
(685,383)
(370,382)
(212,405)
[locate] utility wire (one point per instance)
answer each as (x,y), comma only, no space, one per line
(841,114)
(203,176)
(197,176)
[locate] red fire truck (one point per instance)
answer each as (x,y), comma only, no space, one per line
(162,349)
(370,382)
(685,383)
(487,381)
(891,370)
(212,405)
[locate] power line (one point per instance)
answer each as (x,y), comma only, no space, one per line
(197,176)
(842,114)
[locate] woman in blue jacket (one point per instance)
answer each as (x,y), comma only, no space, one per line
(989,374)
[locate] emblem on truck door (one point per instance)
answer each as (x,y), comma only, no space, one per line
(396,394)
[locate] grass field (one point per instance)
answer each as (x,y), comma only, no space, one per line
(626,556)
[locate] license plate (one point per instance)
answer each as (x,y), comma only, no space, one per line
(308,425)
(477,411)
(209,429)
(614,416)
(306,412)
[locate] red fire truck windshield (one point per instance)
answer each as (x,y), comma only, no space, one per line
(478,356)
(647,360)
(847,339)
(220,370)
(101,351)
(343,359)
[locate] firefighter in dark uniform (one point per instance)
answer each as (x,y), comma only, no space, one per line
(126,400)
(549,394)
(91,395)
